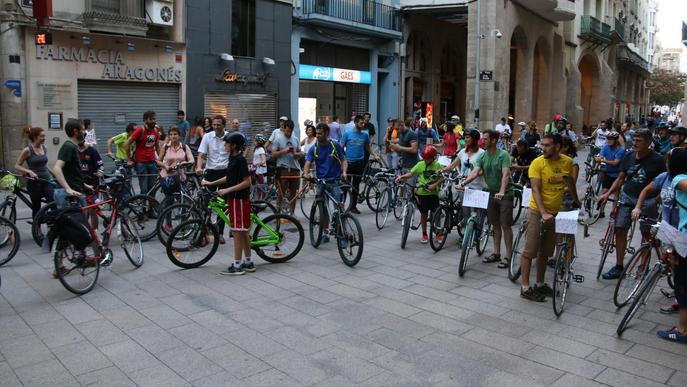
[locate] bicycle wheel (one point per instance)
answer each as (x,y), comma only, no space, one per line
(484,238)
(466,246)
(517,206)
(408,210)
(514,263)
(591,208)
(142,211)
(373,194)
(608,239)
(316,228)
(561,279)
(640,298)
(305,195)
(131,243)
(192,243)
(39,227)
(173,216)
(284,235)
(76,272)
(440,227)
(349,240)
(9,234)
(632,276)
(383,208)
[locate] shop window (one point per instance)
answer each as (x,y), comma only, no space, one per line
(243,28)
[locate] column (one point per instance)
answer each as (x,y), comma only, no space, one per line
(295,84)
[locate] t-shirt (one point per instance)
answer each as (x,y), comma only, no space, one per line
(69,153)
(90,138)
(183,126)
(422,137)
(424,173)
(681,199)
(355,143)
(261,170)
(669,209)
(601,136)
(326,164)
(553,175)
(525,158)
(640,172)
(500,128)
(335,131)
(213,147)
(405,139)
(237,170)
(612,154)
(467,164)
(282,142)
(450,143)
(146,139)
(492,165)
(307,145)
(119,141)
(532,139)
(171,156)
(91,163)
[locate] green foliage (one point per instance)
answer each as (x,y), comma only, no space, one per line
(667,88)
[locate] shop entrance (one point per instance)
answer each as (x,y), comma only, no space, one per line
(334,99)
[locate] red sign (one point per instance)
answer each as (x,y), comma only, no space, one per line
(428,114)
(43,38)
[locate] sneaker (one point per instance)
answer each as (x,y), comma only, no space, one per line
(532,295)
(672,334)
(324,239)
(248,266)
(233,270)
(545,290)
(439,238)
(670,309)
(614,273)
(424,239)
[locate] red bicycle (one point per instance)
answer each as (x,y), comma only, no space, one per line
(607,243)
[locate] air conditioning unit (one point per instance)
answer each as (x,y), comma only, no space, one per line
(160,12)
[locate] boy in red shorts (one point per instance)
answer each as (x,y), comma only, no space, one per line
(237,196)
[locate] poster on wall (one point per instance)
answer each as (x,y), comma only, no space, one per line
(307,110)
(428,114)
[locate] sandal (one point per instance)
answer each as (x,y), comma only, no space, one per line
(673,334)
(492,258)
(505,262)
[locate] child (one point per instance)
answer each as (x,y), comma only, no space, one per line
(428,181)
(238,202)
(260,164)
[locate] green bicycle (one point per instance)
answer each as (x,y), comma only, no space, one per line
(277,238)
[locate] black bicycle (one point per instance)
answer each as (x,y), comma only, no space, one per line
(449,215)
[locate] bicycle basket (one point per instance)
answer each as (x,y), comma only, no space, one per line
(9,182)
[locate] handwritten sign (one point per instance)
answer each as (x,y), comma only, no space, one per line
(526,195)
(671,235)
(444,161)
(566,222)
(475,198)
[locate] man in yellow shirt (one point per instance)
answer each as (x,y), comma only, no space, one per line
(549,174)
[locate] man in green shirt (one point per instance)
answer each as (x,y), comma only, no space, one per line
(494,165)
(119,141)
(67,168)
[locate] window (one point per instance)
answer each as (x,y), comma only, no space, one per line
(243,28)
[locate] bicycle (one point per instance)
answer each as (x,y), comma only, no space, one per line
(514,269)
(649,281)
(607,243)
(74,265)
(448,215)
(269,236)
(475,235)
(10,240)
(347,229)
(408,213)
(8,208)
(388,197)
(564,273)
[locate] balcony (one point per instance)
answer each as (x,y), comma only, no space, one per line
(554,10)
(627,57)
(114,16)
(595,31)
(353,15)
(618,33)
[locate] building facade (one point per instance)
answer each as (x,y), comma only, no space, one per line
(109,61)
(669,59)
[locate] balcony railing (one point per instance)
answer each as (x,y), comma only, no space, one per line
(619,30)
(115,16)
(359,11)
(592,29)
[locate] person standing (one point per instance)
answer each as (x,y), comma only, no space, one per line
(334,128)
(279,129)
(174,154)
(184,127)
(309,139)
(391,135)
(600,135)
(425,135)
(357,145)
(531,136)
(92,169)
(550,174)
(146,139)
(609,157)
(67,168)
(36,157)
(207,125)
(286,151)
(467,158)
(119,141)
(213,150)
(369,127)
(260,164)
(90,139)
(451,141)
(196,135)
(405,146)
(502,126)
(522,156)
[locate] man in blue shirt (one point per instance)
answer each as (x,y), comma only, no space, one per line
(357,145)
(330,165)
(183,126)
(609,157)
(423,133)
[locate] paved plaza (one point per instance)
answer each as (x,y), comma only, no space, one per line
(400,317)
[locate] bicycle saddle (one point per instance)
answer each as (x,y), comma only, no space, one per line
(256,208)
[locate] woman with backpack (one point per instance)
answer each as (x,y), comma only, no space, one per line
(173,157)
(35,155)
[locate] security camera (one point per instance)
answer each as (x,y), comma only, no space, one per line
(499,35)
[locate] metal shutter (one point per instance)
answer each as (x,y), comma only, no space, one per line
(102,101)
(256,112)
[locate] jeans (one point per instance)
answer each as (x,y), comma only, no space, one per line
(38,190)
(150,170)
(334,188)
(392,160)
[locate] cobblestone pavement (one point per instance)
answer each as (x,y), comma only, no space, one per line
(400,317)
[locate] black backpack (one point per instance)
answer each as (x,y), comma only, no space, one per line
(71,225)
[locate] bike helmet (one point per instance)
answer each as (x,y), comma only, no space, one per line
(429,152)
(473,133)
(260,139)
(235,138)
(613,134)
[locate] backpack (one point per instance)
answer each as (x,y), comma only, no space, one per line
(71,225)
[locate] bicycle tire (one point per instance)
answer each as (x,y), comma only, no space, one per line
(517,207)
(12,240)
(301,199)
(316,228)
(514,262)
(142,211)
(349,236)
(610,235)
(7,205)
(383,209)
(65,251)
(46,213)
(561,280)
(5,237)
(484,238)
(466,246)
(398,207)
(440,226)
(407,223)
(591,208)
(128,235)
(639,299)
(198,238)
(284,225)
(373,194)
(179,212)
(632,276)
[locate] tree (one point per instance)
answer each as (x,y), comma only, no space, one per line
(667,88)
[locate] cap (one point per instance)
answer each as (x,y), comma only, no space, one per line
(681,130)
(522,123)
(283,118)
(455,118)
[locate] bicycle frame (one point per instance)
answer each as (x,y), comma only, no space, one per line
(219,207)
(111,221)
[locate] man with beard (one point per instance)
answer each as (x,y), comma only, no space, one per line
(67,168)
(146,139)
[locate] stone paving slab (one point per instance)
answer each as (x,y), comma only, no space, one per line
(400,317)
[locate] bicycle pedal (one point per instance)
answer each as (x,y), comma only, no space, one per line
(579,278)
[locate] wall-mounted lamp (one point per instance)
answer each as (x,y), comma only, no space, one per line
(226,57)
(268,61)
(494,32)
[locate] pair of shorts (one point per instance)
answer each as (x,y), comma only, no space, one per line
(624,217)
(607,181)
(680,279)
(500,212)
(239,214)
(537,245)
(426,203)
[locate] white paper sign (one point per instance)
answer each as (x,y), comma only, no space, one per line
(671,235)
(444,161)
(475,198)
(566,222)
(526,195)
